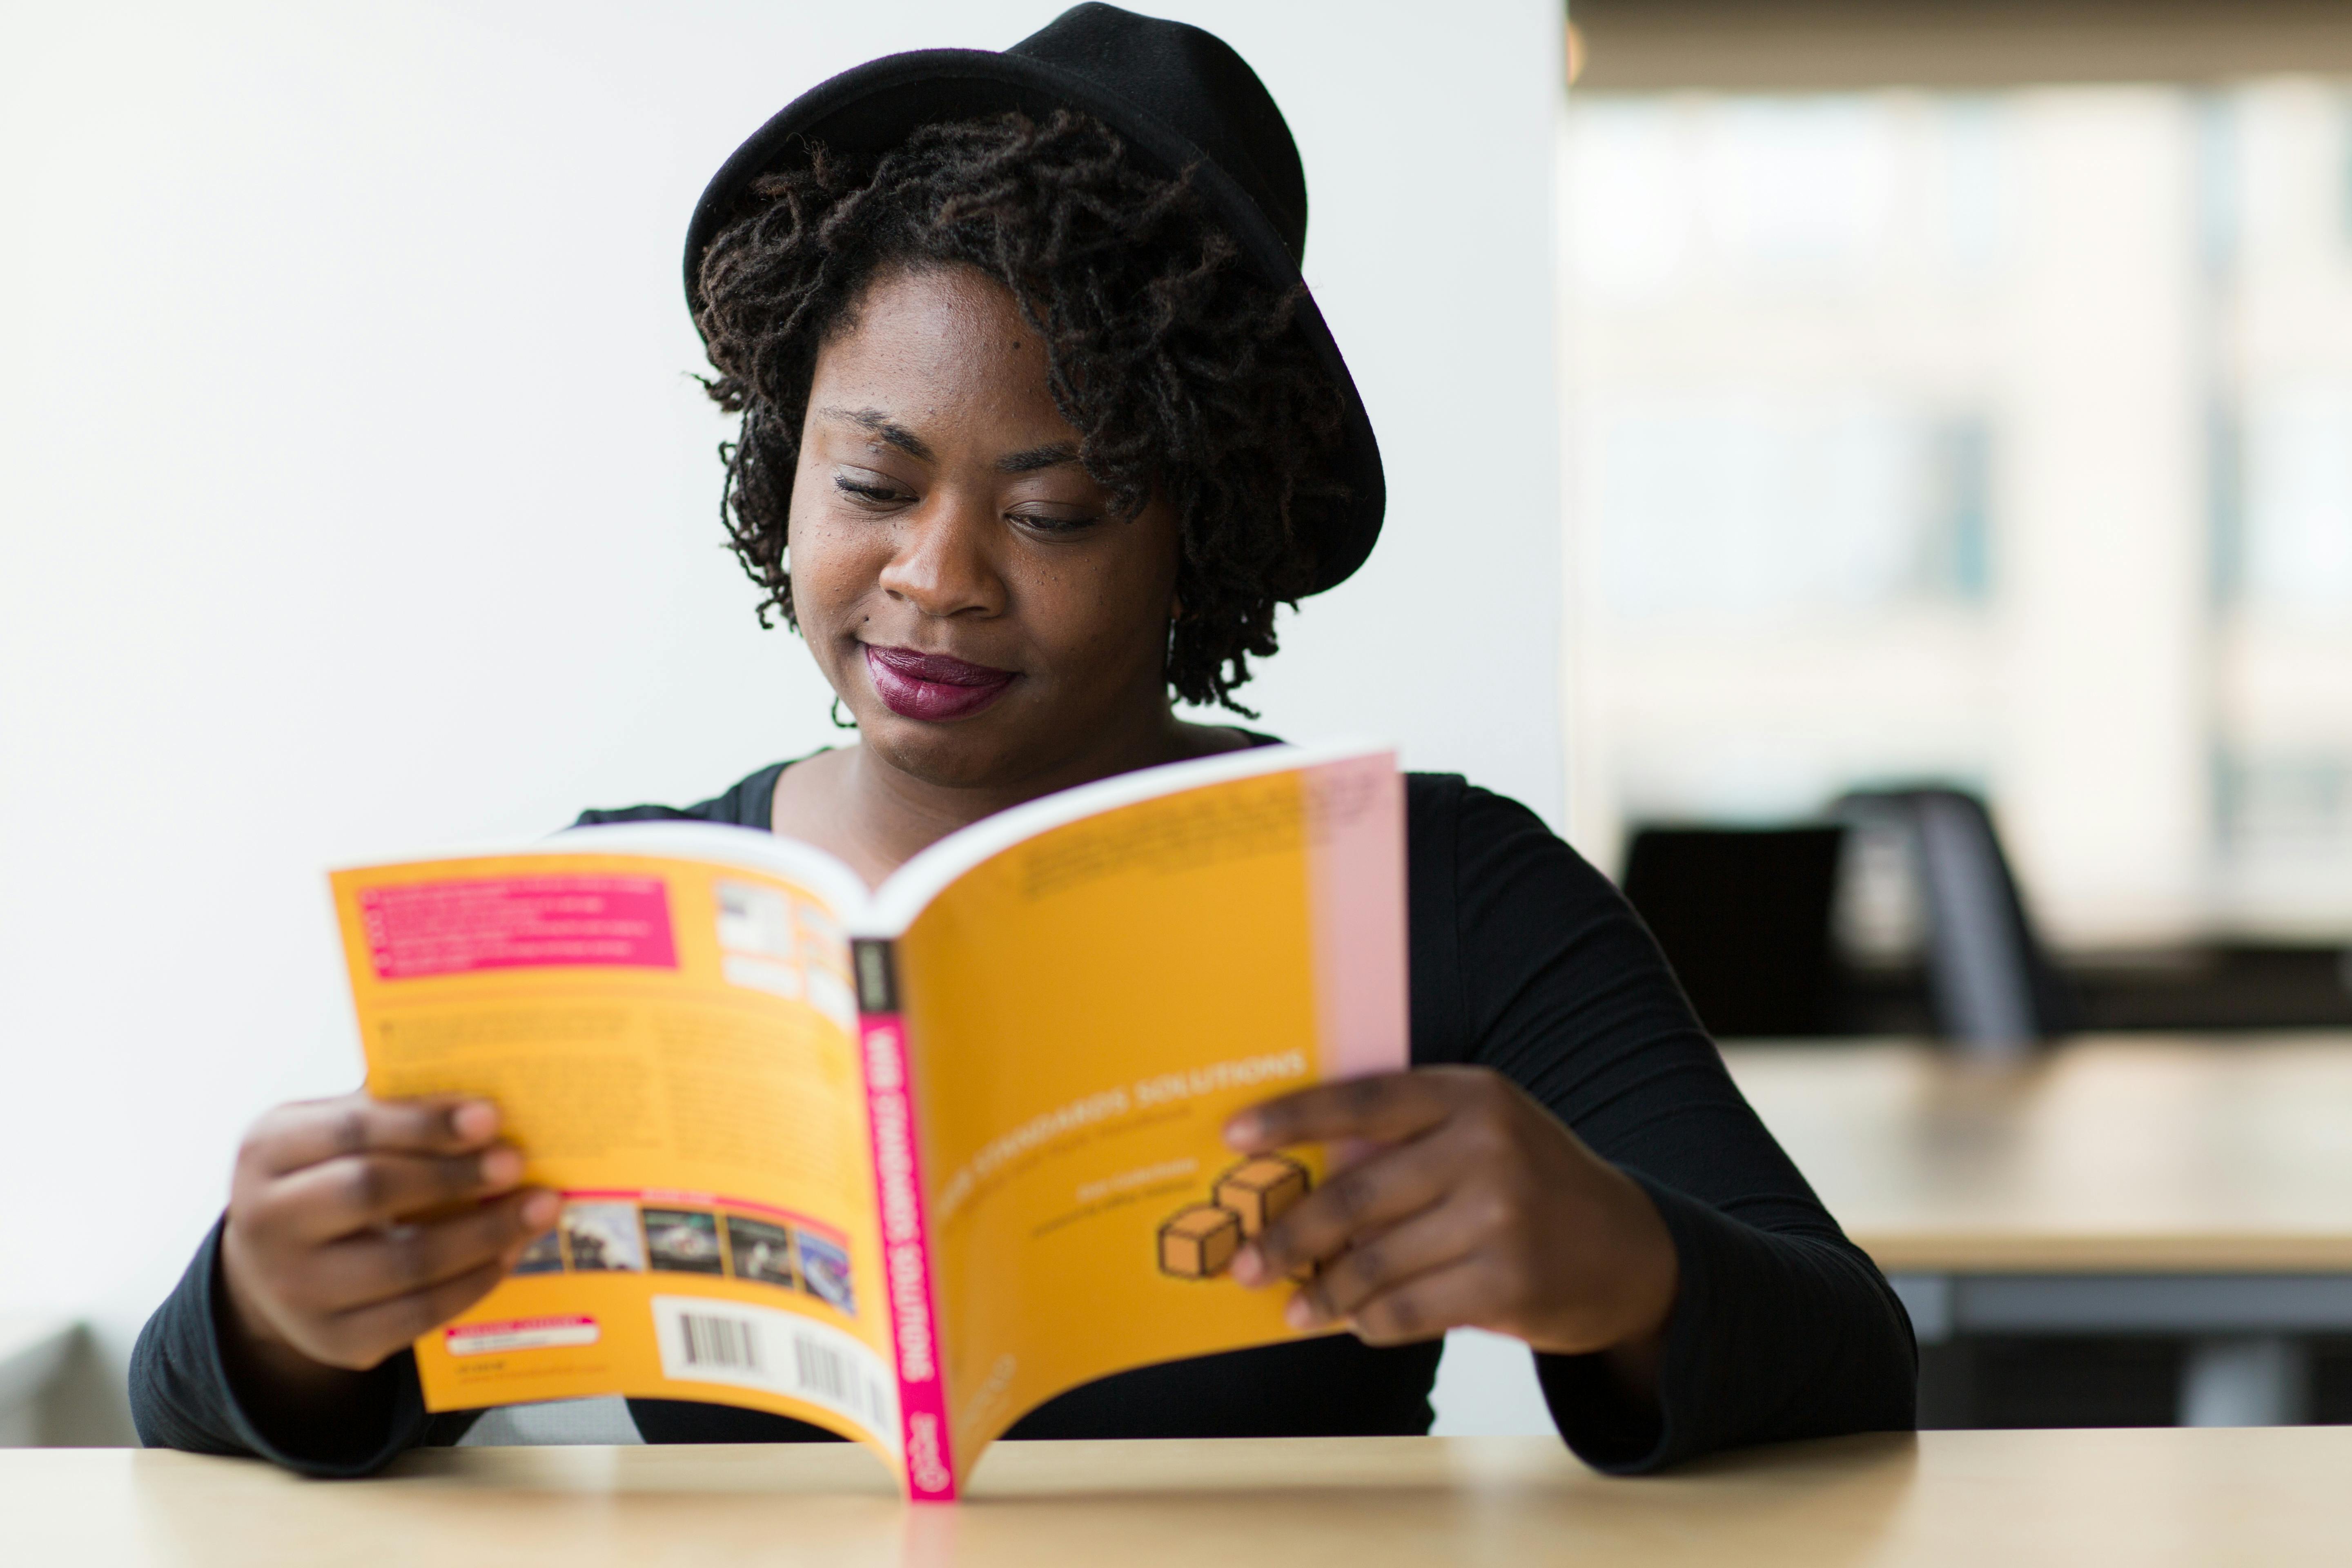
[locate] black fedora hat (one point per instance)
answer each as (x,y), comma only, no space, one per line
(1181,99)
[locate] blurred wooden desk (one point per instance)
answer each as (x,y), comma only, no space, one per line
(2141,1183)
(2139,1154)
(1946,1498)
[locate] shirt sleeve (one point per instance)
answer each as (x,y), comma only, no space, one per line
(181,1396)
(1781,1328)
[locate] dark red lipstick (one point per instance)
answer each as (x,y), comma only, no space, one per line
(934,686)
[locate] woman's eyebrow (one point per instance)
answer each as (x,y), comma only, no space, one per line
(881,424)
(1038,457)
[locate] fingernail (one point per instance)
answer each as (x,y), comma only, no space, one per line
(539,1210)
(501,1168)
(1242,1131)
(1300,1313)
(1249,1265)
(475,1118)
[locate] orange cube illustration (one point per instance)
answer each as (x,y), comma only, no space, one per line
(1197,1242)
(1260,1191)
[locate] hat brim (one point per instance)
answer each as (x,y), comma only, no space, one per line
(874,107)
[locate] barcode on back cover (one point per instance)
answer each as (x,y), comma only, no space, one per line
(821,1370)
(747,1346)
(719,1342)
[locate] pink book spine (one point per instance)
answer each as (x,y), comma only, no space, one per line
(906,1232)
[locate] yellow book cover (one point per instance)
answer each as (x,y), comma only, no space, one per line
(906,1162)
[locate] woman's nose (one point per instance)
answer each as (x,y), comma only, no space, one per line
(942,564)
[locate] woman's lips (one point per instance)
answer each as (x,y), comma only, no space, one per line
(933,686)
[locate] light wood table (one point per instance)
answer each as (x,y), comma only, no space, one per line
(2143,1183)
(2019,1498)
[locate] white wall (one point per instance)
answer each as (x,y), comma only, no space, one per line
(354,495)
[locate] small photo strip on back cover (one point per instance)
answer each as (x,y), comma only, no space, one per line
(605,1235)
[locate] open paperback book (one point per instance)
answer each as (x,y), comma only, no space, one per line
(903,1163)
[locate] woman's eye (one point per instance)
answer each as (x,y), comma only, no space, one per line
(1053,522)
(867,490)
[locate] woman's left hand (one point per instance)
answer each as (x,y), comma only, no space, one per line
(1478,1210)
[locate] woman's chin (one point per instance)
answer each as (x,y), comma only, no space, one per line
(961,753)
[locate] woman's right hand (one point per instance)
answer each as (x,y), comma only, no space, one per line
(355,1224)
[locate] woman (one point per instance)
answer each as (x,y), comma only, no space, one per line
(1038,427)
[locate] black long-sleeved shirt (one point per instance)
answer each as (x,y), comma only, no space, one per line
(1524,960)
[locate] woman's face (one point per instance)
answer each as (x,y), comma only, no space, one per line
(971,594)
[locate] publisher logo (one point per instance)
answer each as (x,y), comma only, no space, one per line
(924,1466)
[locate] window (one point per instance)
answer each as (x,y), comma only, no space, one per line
(1999,438)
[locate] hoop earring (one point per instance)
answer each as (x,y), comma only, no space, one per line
(838,721)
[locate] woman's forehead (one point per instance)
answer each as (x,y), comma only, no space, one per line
(901,300)
(937,347)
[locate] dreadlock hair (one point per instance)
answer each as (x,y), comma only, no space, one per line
(1178,367)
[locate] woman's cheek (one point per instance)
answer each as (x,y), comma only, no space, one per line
(826,570)
(1091,631)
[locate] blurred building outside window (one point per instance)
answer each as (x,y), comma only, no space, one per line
(2001,439)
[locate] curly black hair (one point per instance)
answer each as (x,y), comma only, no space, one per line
(1180,369)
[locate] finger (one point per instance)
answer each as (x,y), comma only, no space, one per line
(1432,1240)
(293,1136)
(1369,1196)
(363,1337)
(1423,1307)
(404,1259)
(350,1194)
(1386,1109)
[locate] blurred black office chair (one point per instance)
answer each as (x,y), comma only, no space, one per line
(1991,984)
(1745,918)
(1743,915)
